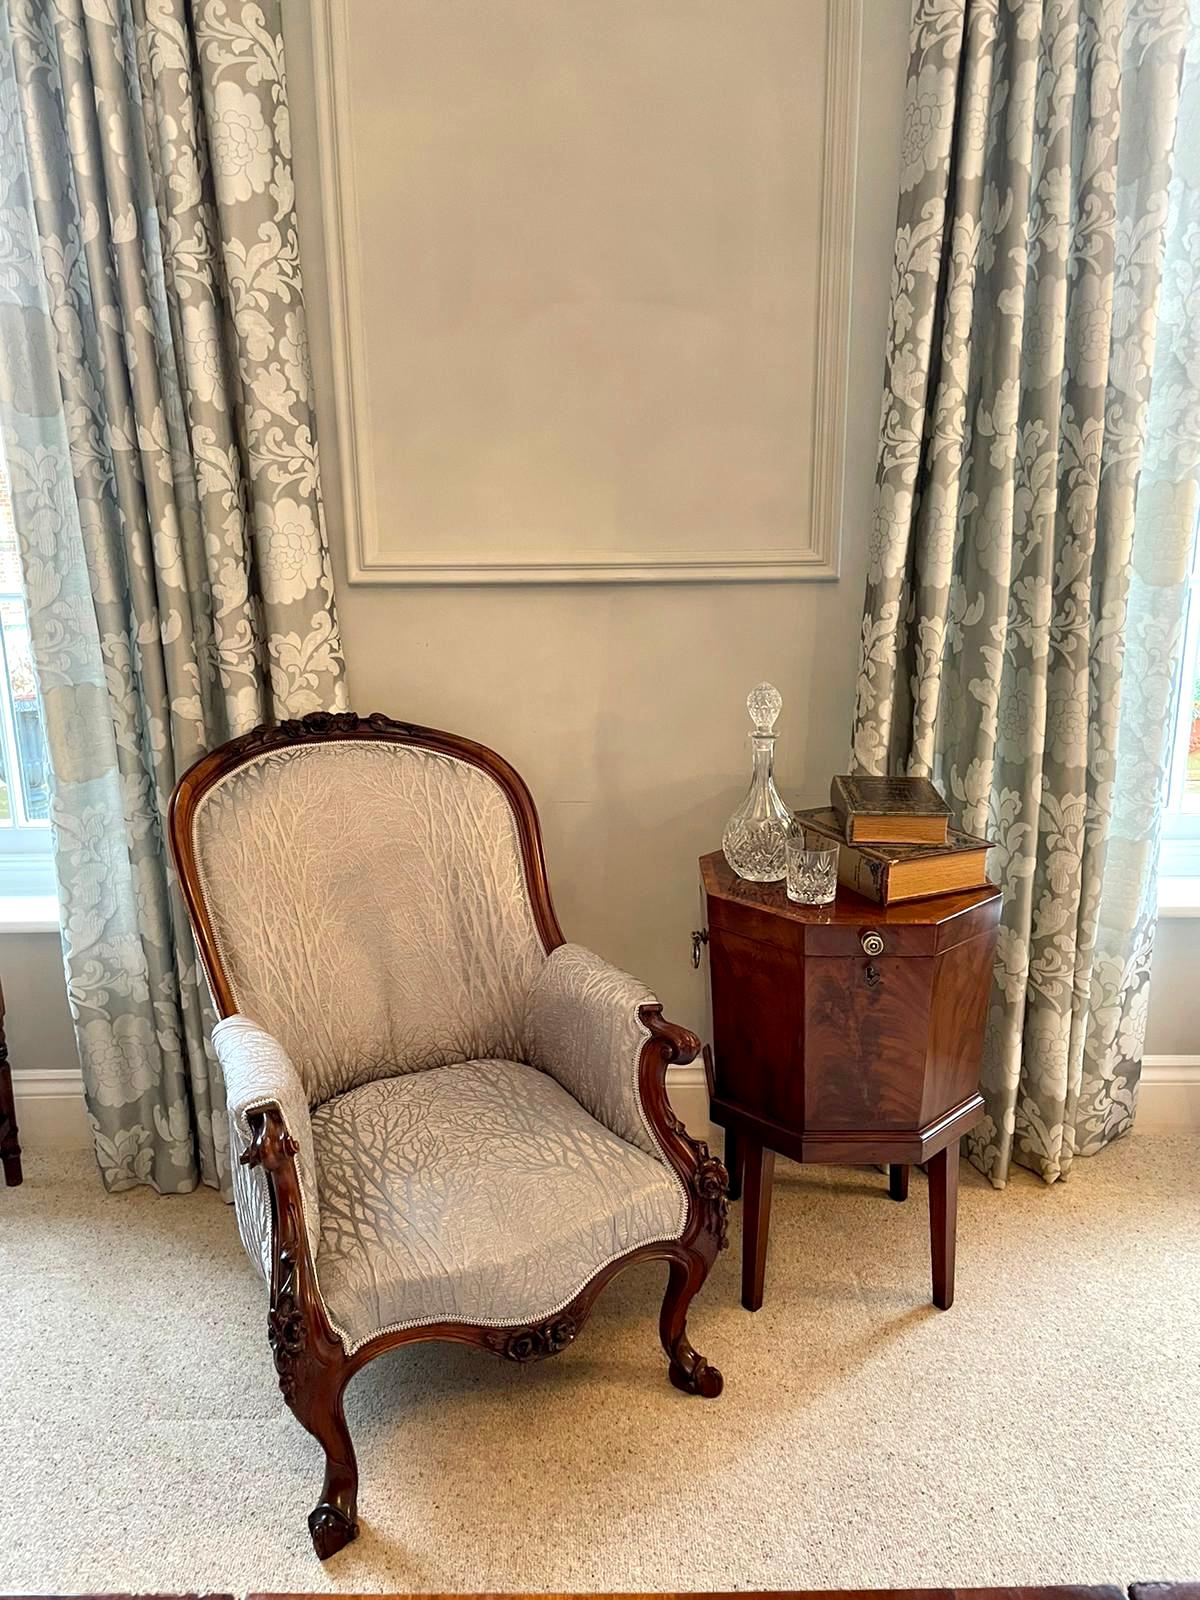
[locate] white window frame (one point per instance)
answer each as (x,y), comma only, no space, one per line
(26,859)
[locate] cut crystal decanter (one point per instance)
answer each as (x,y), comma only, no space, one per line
(756,834)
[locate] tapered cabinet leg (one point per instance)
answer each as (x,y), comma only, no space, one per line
(10,1149)
(898,1180)
(759,1174)
(733,1163)
(943,1222)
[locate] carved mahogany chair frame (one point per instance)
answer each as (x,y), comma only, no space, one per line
(310,1359)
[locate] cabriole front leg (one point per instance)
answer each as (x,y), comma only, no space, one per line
(312,1379)
(688,1369)
(333,1521)
(707,1182)
(309,1358)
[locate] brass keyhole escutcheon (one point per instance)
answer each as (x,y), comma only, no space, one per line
(872,943)
(873,975)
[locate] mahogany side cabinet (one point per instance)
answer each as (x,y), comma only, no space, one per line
(10,1148)
(848,1033)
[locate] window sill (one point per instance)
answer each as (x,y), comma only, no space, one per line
(1178,897)
(28,913)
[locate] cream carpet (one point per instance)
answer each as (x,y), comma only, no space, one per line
(1046,1429)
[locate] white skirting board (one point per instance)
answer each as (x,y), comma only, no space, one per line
(51,1114)
(688,1091)
(50,1109)
(1169,1094)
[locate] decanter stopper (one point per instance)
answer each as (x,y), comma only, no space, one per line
(756,835)
(764,705)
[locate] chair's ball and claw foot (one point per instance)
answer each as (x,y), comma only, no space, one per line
(333,1521)
(331,1530)
(690,1372)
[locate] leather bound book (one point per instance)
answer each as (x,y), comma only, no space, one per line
(890,810)
(887,873)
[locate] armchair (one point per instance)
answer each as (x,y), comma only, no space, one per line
(447,1122)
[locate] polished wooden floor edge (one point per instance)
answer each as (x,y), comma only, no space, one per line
(1068,1591)
(1061,1591)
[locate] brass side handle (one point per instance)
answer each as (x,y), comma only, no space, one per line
(872,943)
(699,938)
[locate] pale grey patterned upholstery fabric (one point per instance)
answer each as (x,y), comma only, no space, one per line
(478,1147)
(582,1027)
(481,1192)
(258,1074)
(370,905)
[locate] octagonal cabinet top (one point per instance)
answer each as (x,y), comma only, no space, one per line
(912,927)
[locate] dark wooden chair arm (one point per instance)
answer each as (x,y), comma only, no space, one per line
(669,1045)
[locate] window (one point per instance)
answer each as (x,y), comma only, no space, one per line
(25,862)
(1181,822)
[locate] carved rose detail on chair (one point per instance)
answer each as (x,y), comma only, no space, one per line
(287,1330)
(536,1343)
(325,723)
(712,1180)
(712,1184)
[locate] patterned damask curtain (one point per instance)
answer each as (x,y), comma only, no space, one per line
(156,412)
(1036,498)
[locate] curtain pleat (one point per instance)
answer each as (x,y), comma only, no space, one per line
(161,392)
(1006,649)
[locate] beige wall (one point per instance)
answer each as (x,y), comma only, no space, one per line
(1173,1028)
(604,344)
(41,1041)
(623,706)
(37,1024)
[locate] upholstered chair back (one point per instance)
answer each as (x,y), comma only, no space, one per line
(369,906)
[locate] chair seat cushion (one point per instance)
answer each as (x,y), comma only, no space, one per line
(480,1192)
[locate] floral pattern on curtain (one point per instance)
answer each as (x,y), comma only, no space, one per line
(156,411)
(1035,501)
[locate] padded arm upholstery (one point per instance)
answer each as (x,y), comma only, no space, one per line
(258,1073)
(582,1027)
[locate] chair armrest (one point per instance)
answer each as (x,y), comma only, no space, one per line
(259,1073)
(582,1027)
